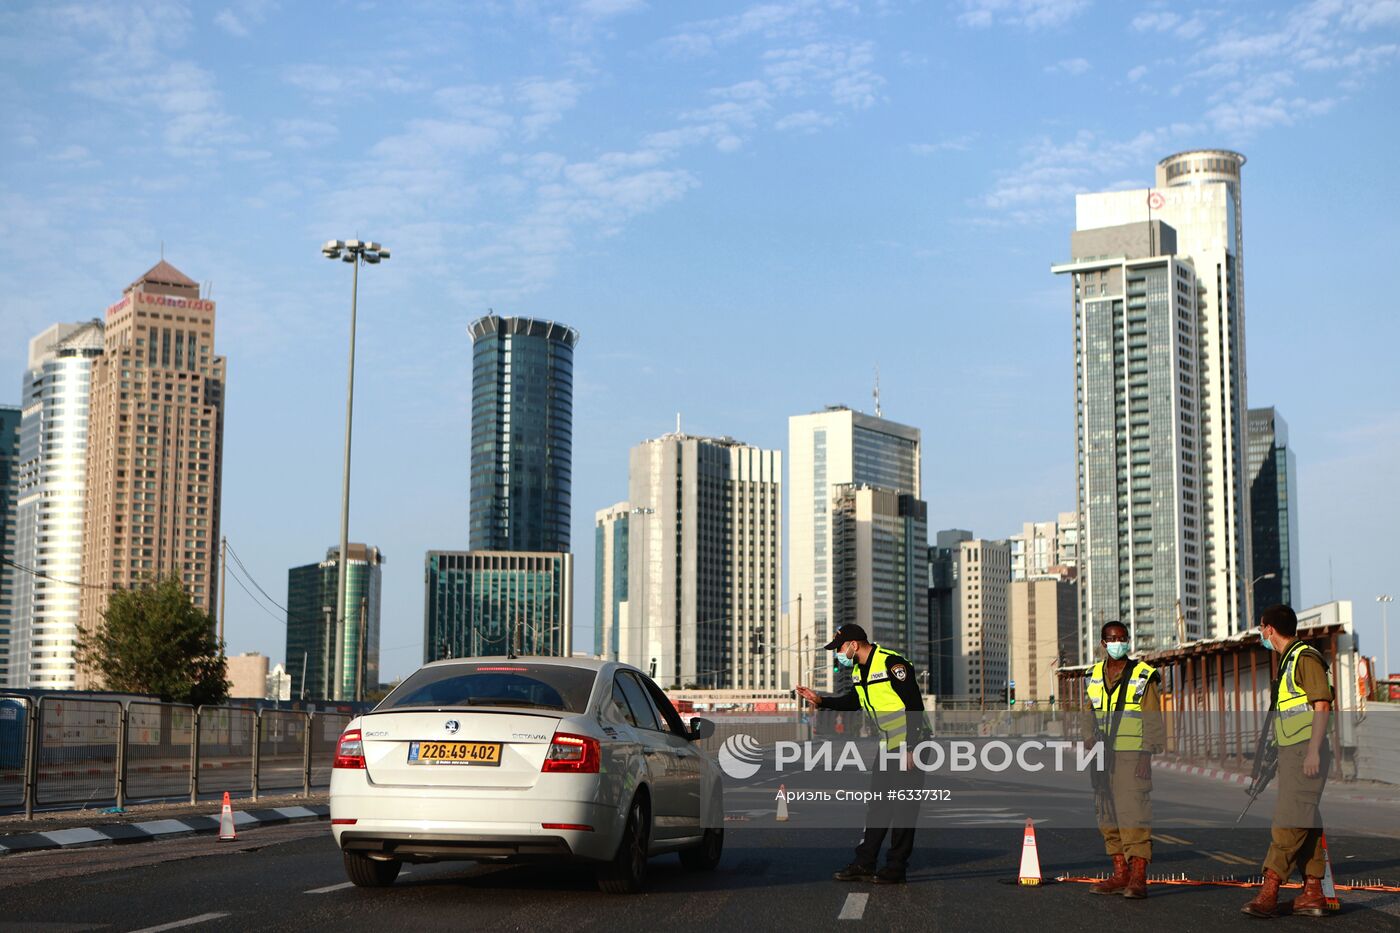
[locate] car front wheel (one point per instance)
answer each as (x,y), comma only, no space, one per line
(627,872)
(366,872)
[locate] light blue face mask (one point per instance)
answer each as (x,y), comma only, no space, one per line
(1117,650)
(1268,642)
(844,661)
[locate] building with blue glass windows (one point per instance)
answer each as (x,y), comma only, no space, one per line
(512,591)
(612,529)
(522,434)
(1273,498)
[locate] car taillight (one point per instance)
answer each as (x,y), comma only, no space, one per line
(350,751)
(572,754)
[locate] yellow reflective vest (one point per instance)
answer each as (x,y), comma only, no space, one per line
(878,698)
(1134,679)
(1293,714)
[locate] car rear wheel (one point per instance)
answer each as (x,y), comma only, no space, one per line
(706,855)
(366,872)
(627,872)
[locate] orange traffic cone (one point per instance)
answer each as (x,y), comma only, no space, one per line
(1329,888)
(1030,859)
(226,828)
(782,803)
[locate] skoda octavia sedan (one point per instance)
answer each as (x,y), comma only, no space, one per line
(525,758)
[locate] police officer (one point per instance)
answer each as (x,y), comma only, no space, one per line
(885,687)
(1125,712)
(1302,706)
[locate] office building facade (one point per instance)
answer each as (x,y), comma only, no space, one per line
(522,434)
(9,494)
(981,600)
(1139,436)
(51,498)
(1198,194)
(827,449)
(155,446)
(497,603)
(1044,634)
(321,654)
(1273,496)
(704,563)
(879,572)
(610,543)
(1043,546)
(943,571)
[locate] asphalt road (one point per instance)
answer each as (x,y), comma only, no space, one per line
(772,877)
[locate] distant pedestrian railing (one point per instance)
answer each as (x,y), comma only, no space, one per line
(57,750)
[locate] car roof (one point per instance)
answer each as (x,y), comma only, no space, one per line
(589,664)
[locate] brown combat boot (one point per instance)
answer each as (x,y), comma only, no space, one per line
(1116,882)
(1311,903)
(1137,879)
(1266,903)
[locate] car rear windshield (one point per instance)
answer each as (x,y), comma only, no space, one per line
(534,686)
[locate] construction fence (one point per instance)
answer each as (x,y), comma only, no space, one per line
(58,750)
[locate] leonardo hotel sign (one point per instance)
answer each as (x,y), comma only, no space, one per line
(164,301)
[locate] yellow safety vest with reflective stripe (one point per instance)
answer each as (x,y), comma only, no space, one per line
(878,698)
(1134,680)
(1293,714)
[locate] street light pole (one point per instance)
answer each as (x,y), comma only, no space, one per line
(1384,600)
(1252,584)
(353,252)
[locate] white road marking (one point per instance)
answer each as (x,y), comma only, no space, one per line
(202,918)
(854,908)
(331,887)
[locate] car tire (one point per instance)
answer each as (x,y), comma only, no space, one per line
(627,872)
(706,855)
(365,872)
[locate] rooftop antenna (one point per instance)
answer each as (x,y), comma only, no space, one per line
(878,411)
(162,251)
(678,422)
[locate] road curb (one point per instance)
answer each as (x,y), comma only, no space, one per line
(1236,777)
(123,833)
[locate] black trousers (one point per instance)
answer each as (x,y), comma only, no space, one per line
(895,817)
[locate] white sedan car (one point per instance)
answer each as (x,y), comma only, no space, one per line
(519,758)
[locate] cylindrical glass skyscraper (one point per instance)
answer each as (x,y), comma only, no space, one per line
(522,434)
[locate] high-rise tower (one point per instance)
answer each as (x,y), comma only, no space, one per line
(522,434)
(155,445)
(1198,195)
(51,499)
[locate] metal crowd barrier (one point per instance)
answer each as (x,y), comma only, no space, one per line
(56,750)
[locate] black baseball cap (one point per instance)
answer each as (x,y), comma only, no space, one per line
(848,632)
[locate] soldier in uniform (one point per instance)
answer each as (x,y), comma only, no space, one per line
(1302,707)
(1125,712)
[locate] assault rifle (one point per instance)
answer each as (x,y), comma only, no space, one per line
(1265,764)
(1101,780)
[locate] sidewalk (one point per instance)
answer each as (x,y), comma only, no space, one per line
(143,823)
(1362,791)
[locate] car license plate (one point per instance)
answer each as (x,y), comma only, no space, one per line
(454,753)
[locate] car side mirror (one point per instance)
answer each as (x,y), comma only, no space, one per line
(701,729)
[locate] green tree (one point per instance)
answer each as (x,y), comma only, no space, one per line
(156,640)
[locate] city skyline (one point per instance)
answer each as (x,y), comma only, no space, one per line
(692,234)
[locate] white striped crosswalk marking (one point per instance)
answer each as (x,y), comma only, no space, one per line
(187,922)
(331,887)
(854,908)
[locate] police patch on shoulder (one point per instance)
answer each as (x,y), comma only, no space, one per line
(899,672)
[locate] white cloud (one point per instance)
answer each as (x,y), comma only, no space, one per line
(305,134)
(784,19)
(228,21)
(546,102)
(239,19)
(1027,14)
(953,144)
(805,120)
(1136,74)
(1069,66)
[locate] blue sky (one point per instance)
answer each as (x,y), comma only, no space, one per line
(744,208)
